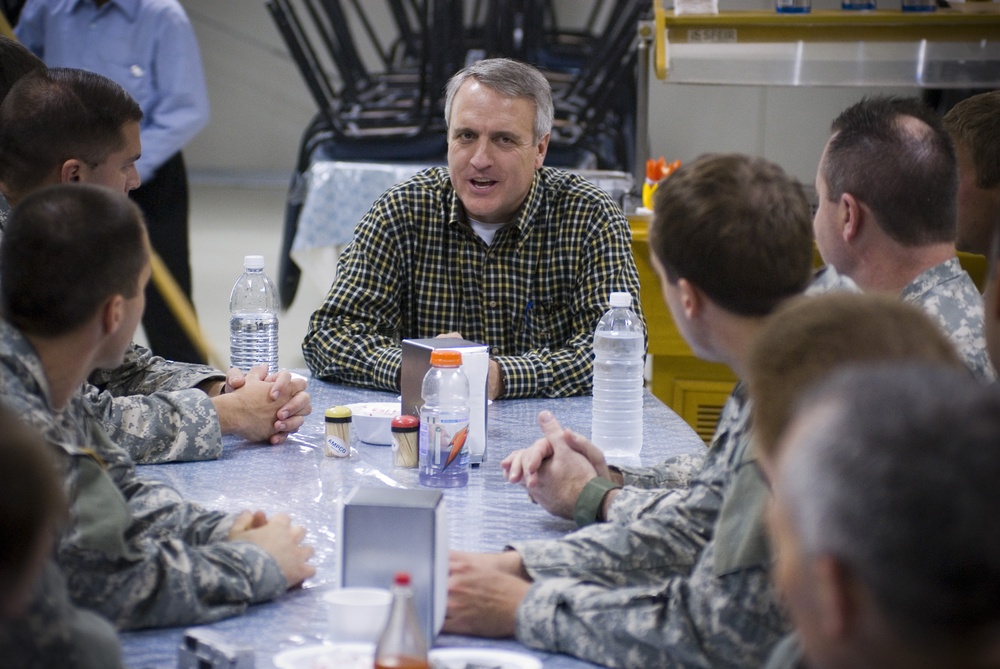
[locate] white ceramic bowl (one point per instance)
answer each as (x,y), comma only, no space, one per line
(373,421)
(357,614)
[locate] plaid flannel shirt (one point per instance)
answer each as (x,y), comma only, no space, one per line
(416,269)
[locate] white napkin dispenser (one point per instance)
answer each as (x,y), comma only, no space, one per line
(388,530)
(475,364)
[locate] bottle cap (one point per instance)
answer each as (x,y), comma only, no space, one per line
(338,415)
(253,262)
(402,578)
(442,358)
(621,300)
(405,423)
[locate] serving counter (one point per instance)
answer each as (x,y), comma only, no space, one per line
(298,478)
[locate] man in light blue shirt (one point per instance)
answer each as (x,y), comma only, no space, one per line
(149,48)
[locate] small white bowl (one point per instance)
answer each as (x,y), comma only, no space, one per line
(357,614)
(373,421)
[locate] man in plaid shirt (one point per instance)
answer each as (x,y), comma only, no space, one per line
(494,248)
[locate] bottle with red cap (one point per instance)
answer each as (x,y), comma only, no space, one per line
(444,422)
(402,644)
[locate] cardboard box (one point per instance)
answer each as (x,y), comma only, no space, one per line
(388,530)
(475,364)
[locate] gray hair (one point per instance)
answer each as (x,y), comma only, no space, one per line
(513,79)
(898,480)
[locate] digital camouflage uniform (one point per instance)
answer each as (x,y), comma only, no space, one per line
(649,486)
(52,632)
(947,293)
(660,591)
(150,407)
(133,550)
(680,578)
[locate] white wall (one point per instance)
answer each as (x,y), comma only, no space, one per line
(260,104)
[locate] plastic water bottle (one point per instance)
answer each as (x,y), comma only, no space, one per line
(253,318)
(444,423)
(619,361)
(402,644)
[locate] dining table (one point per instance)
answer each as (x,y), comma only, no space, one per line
(298,477)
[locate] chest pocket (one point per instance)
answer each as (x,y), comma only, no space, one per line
(102,515)
(548,324)
(740,536)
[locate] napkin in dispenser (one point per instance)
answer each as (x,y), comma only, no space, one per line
(475,364)
(388,530)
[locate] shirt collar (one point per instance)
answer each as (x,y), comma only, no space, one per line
(930,278)
(128,7)
(525,214)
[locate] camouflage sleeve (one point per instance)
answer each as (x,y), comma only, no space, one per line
(165,582)
(699,620)
(160,427)
(654,533)
(143,373)
(635,502)
(54,633)
(674,472)
(140,554)
(665,541)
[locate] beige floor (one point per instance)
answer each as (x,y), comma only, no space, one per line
(228,222)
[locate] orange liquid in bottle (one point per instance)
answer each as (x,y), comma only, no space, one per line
(403,662)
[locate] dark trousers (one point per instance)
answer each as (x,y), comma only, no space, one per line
(164,201)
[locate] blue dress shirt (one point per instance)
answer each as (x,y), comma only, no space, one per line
(147,46)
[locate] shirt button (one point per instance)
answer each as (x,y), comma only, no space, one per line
(493,304)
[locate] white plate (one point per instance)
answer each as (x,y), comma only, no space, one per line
(457,658)
(327,656)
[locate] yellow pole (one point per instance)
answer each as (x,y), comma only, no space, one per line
(5,28)
(181,308)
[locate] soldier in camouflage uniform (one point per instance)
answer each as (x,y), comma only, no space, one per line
(886,186)
(624,494)
(39,627)
(73,264)
(156,409)
(808,340)
(871,578)
(682,580)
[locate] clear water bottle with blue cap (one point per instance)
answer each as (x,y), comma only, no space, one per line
(253,318)
(619,363)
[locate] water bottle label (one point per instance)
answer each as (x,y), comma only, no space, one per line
(443,443)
